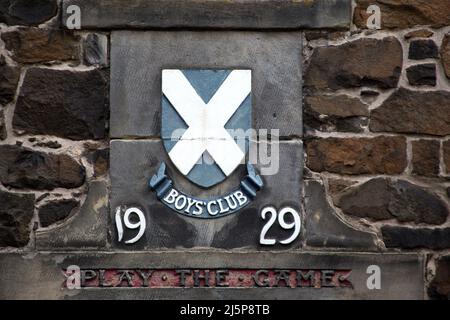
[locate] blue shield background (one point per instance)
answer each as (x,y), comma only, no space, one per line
(206,173)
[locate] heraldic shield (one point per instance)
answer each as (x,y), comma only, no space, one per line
(206,116)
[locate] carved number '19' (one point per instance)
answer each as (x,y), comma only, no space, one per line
(295,225)
(140,224)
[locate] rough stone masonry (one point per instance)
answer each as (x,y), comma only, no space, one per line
(376,126)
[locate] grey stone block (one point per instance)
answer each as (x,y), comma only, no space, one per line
(40,276)
(137,59)
(325,229)
(84,230)
(134,162)
(95,49)
(207,14)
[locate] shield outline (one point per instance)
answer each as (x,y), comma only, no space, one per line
(205,82)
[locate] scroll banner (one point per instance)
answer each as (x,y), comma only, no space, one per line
(194,207)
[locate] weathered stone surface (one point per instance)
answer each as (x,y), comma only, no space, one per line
(16,212)
(445,54)
(421,33)
(426,157)
(247,14)
(56,211)
(100,159)
(87,228)
(3,133)
(24,168)
(402,275)
(383,199)
(96,49)
(136,90)
(380,155)
(25,12)
(439,287)
(330,113)
(134,162)
(9,78)
(66,104)
(405,13)
(337,186)
(446,146)
(34,45)
(339,106)
(423,49)
(364,62)
(422,75)
(407,111)
(325,229)
(408,238)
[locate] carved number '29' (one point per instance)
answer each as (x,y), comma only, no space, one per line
(295,225)
(140,224)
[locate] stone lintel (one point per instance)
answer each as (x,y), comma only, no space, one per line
(211,14)
(401,274)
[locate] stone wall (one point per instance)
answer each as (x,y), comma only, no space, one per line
(376,128)
(377,125)
(54,96)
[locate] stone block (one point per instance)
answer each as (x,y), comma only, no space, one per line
(445,54)
(439,288)
(385,199)
(426,157)
(85,229)
(25,12)
(72,105)
(446,146)
(325,229)
(217,14)
(56,211)
(133,163)
(422,75)
(423,49)
(379,155)
(413,112)
(35,45)
(356,64)
(96,49)
(137,60)
(335,113)
(15,216)
(417,238)
(403,14)
(25,168)
(9,78)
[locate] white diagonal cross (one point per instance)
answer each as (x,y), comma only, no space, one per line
(206,122)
